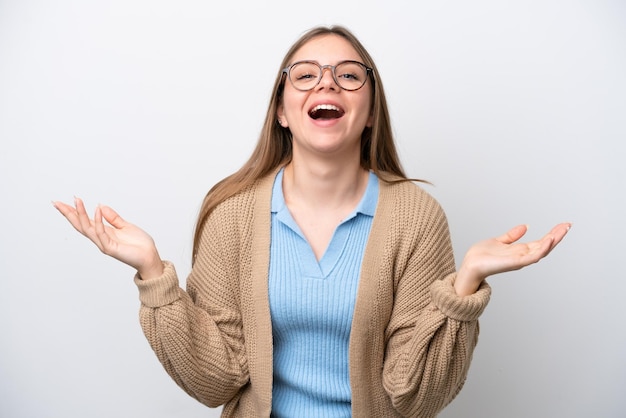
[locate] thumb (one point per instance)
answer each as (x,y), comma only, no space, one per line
(112,217)
(513,234)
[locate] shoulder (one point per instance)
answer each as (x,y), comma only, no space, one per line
(413,226)
(244,203)
(408,200)
(237,216)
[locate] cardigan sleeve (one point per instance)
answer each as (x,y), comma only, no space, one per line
(197,334)
(432,332)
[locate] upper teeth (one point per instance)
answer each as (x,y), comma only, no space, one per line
(325,107)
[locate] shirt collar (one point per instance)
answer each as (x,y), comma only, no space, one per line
(367,205)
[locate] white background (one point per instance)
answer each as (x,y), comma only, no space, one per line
(516,111)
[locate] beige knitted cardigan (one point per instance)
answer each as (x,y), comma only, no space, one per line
(412,337)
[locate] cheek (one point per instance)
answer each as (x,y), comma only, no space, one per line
(367,109)
(288,106)
(292,100)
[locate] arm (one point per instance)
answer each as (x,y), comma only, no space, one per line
(432,332)
(199,345)
(434,328)
(197,335)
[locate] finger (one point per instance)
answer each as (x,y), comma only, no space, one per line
(535,251)
(65,209)
(83,219)
(544,246)
(513,234)
(69,212)
(113,217)
(103,239)
(559,232)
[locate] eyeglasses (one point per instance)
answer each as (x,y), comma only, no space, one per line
(349,75)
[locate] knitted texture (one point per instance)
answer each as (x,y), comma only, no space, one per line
(412,337)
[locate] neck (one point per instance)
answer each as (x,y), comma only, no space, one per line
(324,184)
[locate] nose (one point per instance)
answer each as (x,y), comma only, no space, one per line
(327,80)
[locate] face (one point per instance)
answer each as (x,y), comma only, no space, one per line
(337,129)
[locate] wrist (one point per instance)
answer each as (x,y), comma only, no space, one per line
(151,270)
(466,282)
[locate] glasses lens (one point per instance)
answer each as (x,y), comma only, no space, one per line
(350,75)
(304,75)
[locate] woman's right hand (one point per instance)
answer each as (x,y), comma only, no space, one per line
(120,239)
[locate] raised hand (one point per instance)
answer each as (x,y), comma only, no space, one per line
(504,253)
(119,239)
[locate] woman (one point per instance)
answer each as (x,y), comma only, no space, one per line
(323,280)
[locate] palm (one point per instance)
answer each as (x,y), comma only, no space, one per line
(128,242)
(119,239)
(504,253)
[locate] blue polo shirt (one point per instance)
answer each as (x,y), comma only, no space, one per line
(311,306)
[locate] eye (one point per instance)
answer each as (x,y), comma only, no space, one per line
(304,76)
(350,72)
(349,76)
(304,71)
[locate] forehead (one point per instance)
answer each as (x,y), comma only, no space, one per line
(327,49)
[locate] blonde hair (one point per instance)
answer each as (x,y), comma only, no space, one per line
(273,149)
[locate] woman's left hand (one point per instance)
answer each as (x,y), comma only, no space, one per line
(504,253)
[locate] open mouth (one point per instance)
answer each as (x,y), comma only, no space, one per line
(326,111)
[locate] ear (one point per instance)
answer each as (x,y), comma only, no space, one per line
(280,115)
(370,120)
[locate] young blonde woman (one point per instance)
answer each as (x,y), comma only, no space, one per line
(323,280)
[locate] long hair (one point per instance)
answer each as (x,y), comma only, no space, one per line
(274,148)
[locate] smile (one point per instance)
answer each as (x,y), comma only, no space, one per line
(326,111)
